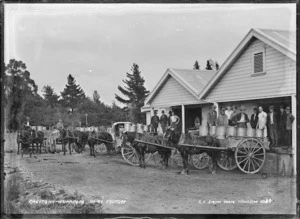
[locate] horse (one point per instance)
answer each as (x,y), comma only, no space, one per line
(67,137)
(99,138)
(175,138)
(142,148)
(79,141)
(37,137)
(24,139)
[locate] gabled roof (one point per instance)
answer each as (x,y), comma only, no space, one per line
(281,40)
(192,80)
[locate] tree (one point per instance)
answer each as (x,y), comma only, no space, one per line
(50,96)
(208,65)
(136,94)
(217,65)
(96,97)
(196,65)
(18,88)
(72,94)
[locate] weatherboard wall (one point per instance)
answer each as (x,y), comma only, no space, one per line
(172,93)
(238,83)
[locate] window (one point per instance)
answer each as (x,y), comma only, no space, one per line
(258,62)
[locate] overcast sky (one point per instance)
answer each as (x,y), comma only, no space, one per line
(98,44)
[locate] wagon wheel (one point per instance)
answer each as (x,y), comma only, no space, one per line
(200,161)
(227,161)
(250,155)
(100,148)
(130,155)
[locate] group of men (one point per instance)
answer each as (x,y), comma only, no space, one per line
(165,121)
(278,127)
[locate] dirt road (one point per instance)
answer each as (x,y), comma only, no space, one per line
(126,189)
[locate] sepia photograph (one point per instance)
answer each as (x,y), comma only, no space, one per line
(149,109)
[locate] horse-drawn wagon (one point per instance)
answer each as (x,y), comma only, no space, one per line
(234,148)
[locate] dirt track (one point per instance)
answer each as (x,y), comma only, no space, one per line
(154,190)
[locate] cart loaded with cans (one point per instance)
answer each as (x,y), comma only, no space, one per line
(243,148)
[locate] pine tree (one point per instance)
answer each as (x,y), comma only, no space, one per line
(208,65)
(18,88)
(136,94)
(196,65)
(96,97)
(50,96)
(72,94)
(217,65)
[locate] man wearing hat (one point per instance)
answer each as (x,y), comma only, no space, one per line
(254,118)
(222,119)
(231,122)
(154,122)
(212,116)
(59,125)
(282,126)
(272,124)
(163,121)
(241,119)
(27,123)
(289,125)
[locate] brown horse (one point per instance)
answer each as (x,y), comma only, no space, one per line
(24,141)
(99,138)
(175,138)
(67,137)
(143,148)
(37,137)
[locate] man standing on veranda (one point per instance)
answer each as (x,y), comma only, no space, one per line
(163,121)
(154,122)
(272,124)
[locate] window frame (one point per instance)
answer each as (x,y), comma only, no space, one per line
(264,62)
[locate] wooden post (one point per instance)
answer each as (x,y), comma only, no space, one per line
(183,118)
(217,109)
(294,132)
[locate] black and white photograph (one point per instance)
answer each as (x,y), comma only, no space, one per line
(173,109)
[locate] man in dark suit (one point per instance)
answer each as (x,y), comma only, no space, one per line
(254,118)
(282,126)
(272,124)
(169,118)
(163,121)
(212,116)
(241,119)
(154,122)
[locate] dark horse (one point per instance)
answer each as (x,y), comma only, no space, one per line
(99,138)
(175,138)
(142,148)
(80,140)
(67,137)
(37,137)
(24,140)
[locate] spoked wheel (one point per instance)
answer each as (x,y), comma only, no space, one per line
(130,155)
(227,161)
(250,155)
(200,161)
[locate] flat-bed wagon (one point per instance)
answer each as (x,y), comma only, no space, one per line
(246,153)
(199,161)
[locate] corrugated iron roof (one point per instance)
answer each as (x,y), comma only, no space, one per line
(282,40)
(284,37)
(194,79)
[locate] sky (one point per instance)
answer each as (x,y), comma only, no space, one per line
(98,43)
